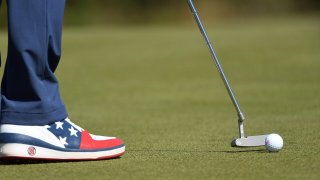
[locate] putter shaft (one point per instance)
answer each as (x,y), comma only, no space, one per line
(220,69)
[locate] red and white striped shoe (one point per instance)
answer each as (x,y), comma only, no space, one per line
(61,140)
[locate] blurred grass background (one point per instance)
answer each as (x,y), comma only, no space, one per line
(157,89)
(107,12)
(141,71)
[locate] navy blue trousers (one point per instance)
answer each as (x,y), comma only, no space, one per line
(29,90)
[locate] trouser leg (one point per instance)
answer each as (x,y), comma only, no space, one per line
(29,92)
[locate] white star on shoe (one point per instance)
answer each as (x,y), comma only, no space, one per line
(59,125)
(63,140)
(73,132)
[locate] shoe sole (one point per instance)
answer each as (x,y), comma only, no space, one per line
(25,151)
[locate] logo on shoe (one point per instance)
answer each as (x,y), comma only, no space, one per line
(32,151)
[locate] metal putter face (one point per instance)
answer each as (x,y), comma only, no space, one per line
(250,141)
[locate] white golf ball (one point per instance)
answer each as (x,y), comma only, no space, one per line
(274,142)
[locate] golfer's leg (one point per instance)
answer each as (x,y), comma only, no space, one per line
(30,92)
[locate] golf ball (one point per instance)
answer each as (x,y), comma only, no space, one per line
(274,142)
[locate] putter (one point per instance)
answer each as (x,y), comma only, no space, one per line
(242,141)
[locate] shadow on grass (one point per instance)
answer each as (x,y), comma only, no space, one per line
(201,151)
(6,162)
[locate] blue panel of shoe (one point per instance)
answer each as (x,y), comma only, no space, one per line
(68,135)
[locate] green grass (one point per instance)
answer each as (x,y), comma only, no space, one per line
(157,89)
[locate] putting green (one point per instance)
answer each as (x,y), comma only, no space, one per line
(157,88)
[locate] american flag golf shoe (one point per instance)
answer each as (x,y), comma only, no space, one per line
(61,140)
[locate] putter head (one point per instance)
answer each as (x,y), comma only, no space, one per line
(250,141)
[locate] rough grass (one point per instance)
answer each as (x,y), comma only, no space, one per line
(157,89)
